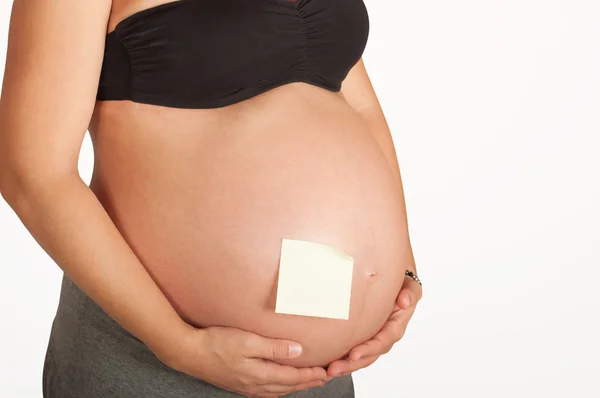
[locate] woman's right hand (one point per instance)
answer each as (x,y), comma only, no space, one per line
(242,362)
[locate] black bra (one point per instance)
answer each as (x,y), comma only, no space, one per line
(212,53)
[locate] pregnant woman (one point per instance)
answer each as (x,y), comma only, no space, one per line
(219,127)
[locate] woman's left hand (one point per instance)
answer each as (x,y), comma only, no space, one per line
(392,331)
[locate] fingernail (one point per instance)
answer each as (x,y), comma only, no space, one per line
(295,350)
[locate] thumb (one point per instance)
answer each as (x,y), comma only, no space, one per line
(273,349)
(409,295)
(404,300)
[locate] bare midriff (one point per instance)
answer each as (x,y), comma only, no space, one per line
(204,197)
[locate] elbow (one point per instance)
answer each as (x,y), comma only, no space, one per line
(13,185)
(8,182)
(20,184)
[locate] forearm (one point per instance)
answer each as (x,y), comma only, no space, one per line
(67,220)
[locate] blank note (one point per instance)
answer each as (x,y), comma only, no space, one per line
(314,280)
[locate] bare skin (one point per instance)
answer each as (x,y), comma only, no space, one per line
(359,92)
(47,104)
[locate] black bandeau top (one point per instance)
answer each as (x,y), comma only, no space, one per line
(213,53)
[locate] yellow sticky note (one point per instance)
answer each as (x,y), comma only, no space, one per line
(314,280)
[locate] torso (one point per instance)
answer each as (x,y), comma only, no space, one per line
(204,197)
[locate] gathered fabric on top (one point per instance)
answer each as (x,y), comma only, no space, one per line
(213,53)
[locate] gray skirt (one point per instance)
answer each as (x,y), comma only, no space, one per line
(90,355)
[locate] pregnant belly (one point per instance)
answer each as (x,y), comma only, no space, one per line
(207,218)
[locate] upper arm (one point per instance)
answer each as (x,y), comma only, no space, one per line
(357,88)
(54,56)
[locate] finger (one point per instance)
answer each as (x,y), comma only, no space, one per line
(345,366)
(281,389)
(257,346)
(382,342)
(306,386)
(289,375)
(410,294)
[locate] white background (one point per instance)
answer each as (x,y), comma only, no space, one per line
(495,111)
